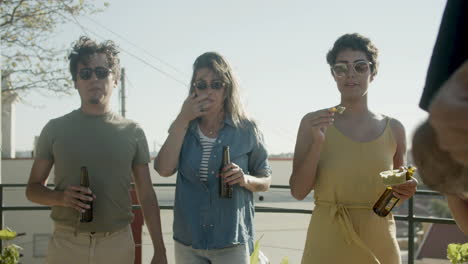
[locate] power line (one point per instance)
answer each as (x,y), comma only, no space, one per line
(86,30)
(156,68)
(127,78)
(138,47)
(283,134)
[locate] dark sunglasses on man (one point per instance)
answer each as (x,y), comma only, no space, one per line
(360,67)
(101,73)
(202,85)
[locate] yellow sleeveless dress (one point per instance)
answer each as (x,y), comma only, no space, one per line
(343,228)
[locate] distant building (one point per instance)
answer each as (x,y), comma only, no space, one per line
(9,97)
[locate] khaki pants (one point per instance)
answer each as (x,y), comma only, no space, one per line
(91,248)
(236,254)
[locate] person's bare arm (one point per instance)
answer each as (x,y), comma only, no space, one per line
(406,190)
(167,160)
(459,209)
(37,192)
(310,138)
(257,184)
(398,131)
(150,208)
(235,175)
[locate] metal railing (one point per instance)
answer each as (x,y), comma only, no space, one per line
(410,218)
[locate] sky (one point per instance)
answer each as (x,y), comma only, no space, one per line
(277,49)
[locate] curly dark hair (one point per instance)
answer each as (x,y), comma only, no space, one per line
(357,42)
(85,47)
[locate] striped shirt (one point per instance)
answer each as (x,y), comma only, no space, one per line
(207,145)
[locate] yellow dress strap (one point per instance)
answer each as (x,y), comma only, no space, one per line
(339,212)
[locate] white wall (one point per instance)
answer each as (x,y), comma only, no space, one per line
(33,223)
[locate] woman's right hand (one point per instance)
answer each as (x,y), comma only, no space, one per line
(316,123)
(195,106)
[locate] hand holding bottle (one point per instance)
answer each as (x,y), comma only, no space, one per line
(390,197)
(76,196)
(234,174)
(405,190)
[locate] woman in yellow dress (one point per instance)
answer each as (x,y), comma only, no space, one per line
(339,156)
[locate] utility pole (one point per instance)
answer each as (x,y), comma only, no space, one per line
(122,92)
(138,222)
(1,149)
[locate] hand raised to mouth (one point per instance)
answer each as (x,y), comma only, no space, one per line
(339,109)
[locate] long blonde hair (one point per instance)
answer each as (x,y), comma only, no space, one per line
(233,107)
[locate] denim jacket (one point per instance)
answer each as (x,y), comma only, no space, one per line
(201,218)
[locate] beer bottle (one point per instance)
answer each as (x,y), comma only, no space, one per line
(87,215)
(225,190)
(388,200)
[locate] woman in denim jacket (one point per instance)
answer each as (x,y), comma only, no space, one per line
(207,228)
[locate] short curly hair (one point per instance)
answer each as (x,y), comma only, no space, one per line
(84,48)
(357,42)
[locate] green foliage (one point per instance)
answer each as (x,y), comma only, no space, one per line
(256,251)
(29,59)
(7,234)
(457,253)
(440,208)
(285,260)
(10,252)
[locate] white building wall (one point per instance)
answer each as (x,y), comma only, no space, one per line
(8,130)
(36,224)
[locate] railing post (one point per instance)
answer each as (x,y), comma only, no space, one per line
(411,231)
(1,211)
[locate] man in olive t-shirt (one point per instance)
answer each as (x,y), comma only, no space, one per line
(112,148)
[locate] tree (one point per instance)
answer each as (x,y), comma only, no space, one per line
(30,61)
(440,208)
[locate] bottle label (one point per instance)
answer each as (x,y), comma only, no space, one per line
(391,203)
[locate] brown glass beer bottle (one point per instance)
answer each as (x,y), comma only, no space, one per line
(87,215)
(225,190)
(388,200)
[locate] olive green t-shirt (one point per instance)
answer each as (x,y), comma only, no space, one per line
(109,146)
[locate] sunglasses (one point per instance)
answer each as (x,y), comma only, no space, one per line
(360,67)
(101,73)
(202,85)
